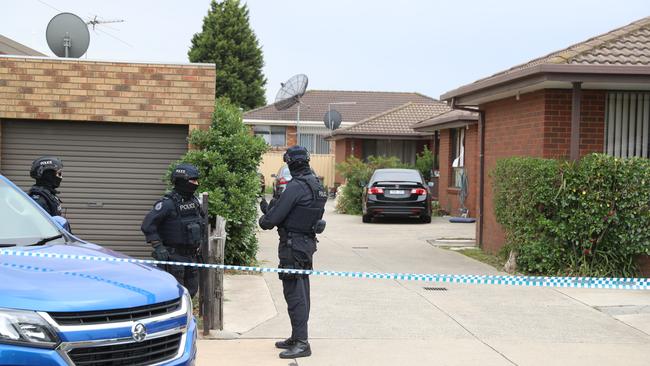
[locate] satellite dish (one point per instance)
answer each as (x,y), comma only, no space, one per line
(67,35)
(291,92)
(332,119)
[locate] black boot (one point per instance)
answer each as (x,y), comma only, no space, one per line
(286,344)
(299,349)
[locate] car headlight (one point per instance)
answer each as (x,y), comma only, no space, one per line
(188,305)
(26,328)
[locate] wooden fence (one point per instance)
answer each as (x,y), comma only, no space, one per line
(323,165)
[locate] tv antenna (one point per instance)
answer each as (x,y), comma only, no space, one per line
(290,94)
(67,35)
(94,21)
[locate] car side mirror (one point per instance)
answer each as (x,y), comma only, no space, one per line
(274,175)
(62,222)
(430,184)
(362,184)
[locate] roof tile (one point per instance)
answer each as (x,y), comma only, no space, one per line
(628,45)
(315,105)
(397,121)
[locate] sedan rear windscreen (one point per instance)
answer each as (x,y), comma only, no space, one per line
(402,176)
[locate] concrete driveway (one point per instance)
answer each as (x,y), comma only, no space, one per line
(386,322)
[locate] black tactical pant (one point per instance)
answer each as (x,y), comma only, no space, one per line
(297,252)
(186,276)
(296,294)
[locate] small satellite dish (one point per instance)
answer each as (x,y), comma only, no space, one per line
(332,119)
(67,35)
(291,91)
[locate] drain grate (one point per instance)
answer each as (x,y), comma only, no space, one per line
(435,288)
(359,247)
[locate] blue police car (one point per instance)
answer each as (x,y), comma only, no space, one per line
(78,312)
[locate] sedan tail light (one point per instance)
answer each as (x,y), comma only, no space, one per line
(376,190)
(419,191)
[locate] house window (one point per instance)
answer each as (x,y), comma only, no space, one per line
(627,124)
(273,135)
(404,150)
(457,156)
(314,143)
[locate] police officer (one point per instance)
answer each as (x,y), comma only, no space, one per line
(48,173)
(297,214)
(175,227)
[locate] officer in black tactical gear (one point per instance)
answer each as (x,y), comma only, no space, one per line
(175,227)
(297,214)
(48,173)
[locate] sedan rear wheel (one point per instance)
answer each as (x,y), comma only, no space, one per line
(426,219)
(366,218)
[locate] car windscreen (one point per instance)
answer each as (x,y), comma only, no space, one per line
(396,176)
(21,221)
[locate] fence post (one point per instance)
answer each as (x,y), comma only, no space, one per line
(211,280)
(205,285)
(219,247)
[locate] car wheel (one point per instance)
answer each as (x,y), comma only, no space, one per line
(366,218)
(426,219)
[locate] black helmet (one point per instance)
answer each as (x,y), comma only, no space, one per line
(296,153)
(44,163)
(185,172)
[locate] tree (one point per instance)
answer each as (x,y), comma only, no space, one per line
(227,156)
(228,41)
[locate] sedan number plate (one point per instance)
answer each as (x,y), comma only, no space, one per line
(393,191)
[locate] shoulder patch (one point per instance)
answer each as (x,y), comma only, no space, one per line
(158,206)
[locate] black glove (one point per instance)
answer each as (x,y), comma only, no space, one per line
(160,253)
(319,226)
(264,206)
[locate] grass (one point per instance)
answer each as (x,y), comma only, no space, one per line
(481,256)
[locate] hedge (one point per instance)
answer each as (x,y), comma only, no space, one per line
(587,218)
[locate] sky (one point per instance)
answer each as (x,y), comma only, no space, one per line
(424,46)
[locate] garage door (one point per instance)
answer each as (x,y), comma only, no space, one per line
(112,172)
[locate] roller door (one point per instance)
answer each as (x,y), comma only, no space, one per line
(112,172)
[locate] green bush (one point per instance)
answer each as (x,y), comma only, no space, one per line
(227,156)
(584,218)
(425,162)
(357,174)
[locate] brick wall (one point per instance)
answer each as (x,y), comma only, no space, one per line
(512,128)
(292,136)
(539,124)
(557,124)
(339,156)
(447,193)
(79,90)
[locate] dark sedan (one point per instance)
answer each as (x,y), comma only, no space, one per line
(396,193)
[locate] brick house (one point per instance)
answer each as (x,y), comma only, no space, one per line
(279,128)
(590,97)
(116,126)
(389,133)
(456,134)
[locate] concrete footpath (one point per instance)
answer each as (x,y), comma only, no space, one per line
(387,322)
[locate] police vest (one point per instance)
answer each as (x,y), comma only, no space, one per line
(52,202)
(185,226)
(303,218)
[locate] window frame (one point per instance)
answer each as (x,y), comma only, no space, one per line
(457,138)
(627,124)
(267,133)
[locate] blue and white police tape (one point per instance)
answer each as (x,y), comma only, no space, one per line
(534,281)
